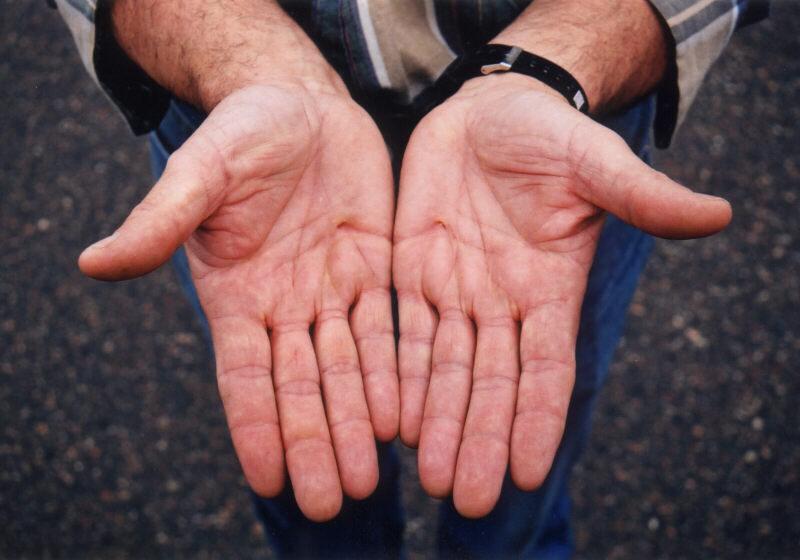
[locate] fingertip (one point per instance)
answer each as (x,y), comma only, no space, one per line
(323,508)
(410,422)
(387,425)
(529,468)
(261,458)
(315,480)
(383,402)
(436,460)
(413,392)
(409,437)
(85,264)
(356,458)
(469,507)
(533,448)
(266,486)
(710,216)
(360,485)
(721,213)
(694,215)
(527,479)
(436,484)
(90,261)
(482,465)
(123,257)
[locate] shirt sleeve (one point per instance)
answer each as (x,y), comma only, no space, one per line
(139,98)
(698,31)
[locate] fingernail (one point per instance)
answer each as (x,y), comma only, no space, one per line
(103,242)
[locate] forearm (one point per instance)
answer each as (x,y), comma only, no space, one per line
(616,49)
(202,50)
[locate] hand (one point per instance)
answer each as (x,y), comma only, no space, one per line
(501,203)
(284,200)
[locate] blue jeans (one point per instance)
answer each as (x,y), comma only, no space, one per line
(523,524)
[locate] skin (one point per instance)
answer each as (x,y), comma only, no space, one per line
(283,199)
(503,194)
(491,258)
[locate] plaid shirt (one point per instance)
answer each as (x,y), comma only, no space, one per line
(399,47)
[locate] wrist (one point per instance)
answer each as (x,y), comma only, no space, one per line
(288,57)
(493,87)
(615,49)
(202,51)
(299,68)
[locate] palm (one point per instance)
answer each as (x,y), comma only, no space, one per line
(292,202)
(492,253)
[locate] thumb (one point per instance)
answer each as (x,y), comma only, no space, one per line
(615,179)
(157,226)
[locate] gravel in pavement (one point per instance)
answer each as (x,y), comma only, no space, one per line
(112,437)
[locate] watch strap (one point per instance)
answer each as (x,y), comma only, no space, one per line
(493,58)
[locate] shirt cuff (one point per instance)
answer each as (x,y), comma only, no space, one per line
(698,31)
(139,98)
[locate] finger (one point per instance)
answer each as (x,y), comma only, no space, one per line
(483,456)
(618,181)
(345,404)
(373,329)
(446,404)
(547,374)
(417,323)
(244,377)
(158,225)
(309,453)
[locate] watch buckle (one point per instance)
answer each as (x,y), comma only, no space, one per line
(505,64)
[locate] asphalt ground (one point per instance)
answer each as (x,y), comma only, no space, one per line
(112,437)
